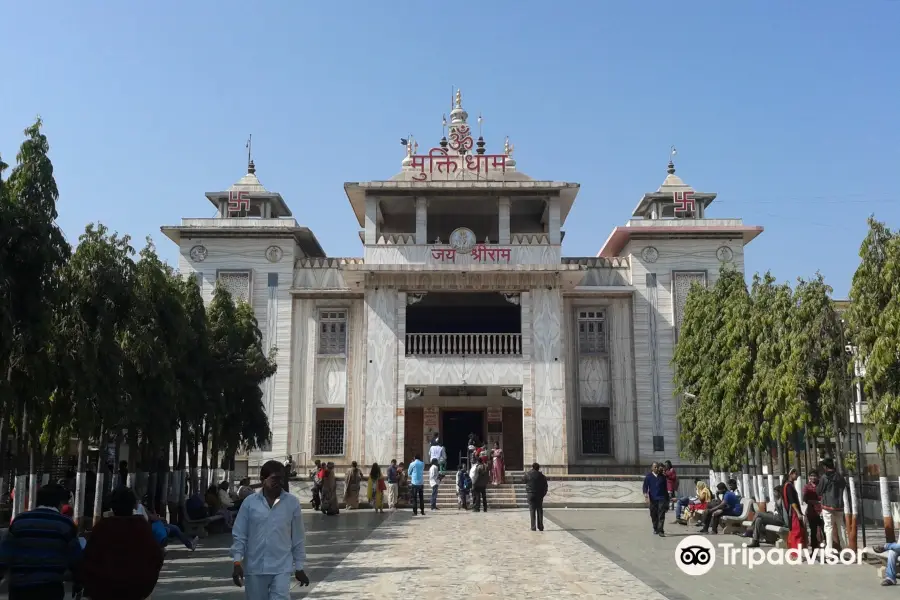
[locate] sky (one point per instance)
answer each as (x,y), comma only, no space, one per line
(788,111)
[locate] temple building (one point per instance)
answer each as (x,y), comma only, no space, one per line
(463,316)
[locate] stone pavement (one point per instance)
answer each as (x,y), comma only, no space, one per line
(476,556)
(625,537)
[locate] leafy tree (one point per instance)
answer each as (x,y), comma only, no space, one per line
(33,251)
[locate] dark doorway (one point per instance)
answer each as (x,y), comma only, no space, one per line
(457,425)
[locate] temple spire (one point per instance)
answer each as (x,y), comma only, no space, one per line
(251,168)
(671,168)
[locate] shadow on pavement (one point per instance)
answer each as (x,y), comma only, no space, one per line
(206,572)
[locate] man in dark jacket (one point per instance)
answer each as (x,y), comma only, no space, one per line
(479,486)
(656,495)
(535,490)
(831,490)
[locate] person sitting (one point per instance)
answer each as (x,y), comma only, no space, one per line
(163,530)
(195,507)
(762,519)
(699,501)
(729,507)
(245,490)
(214,506)
(122,559)
(225,496)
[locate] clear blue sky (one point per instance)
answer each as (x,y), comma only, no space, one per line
(789,111)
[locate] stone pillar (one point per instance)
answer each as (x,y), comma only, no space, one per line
(504,221)
(553,225)
(528,450)
(400,412)
(421,220)
(548,385)
(371,221)
(381,375)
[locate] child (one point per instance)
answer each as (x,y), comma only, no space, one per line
(463,485)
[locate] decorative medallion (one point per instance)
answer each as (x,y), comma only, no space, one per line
(463,240)
(650,254)
(724,254)
(199,253)
(274,254)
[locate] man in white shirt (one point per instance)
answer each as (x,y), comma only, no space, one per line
(438,453)
(434,480)
(268,539)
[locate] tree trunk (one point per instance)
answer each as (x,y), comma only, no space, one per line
(33,481)
(204,465)
(193,460)
(214,459)
(4,433)
(79,487)
(886,513)
(781,462)
(133,453)
(99,489)
(839,455)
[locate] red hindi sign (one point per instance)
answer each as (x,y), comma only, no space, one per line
(238,201)
(684,202)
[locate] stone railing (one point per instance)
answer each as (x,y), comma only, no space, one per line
(463,344)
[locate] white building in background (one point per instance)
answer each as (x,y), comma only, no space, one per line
(462,315)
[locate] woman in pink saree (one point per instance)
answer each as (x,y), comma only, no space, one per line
(498,470)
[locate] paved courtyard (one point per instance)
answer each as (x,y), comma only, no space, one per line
(582,553)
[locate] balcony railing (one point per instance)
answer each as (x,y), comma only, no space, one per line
(463,344)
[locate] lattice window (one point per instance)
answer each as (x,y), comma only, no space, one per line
(595,431)
(237,283)
(330,432)
(591,331)
(681,287)
(333,332)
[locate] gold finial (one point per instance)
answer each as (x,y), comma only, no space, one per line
(508,148)
(480,122)
(458,98)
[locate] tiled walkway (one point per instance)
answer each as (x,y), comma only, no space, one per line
(475,555)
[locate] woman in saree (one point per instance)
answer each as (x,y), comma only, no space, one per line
(376,487)
(352,483)
(498,468)
(329,491)
(793,516)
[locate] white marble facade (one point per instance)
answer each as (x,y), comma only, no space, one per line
(371,382)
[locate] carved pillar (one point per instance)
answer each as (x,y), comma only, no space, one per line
(421,220)
(528,445)
(400,412)
(504,221)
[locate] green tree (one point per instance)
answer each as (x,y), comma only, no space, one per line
(32,254)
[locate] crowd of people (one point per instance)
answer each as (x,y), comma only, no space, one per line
(813,516)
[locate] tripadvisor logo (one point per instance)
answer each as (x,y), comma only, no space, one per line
(696,555)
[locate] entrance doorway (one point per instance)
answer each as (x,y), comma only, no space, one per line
(457,425)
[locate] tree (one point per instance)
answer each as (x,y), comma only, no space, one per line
(32,254)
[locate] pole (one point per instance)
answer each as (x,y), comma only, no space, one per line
(860,467)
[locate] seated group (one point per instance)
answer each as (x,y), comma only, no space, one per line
(708,510)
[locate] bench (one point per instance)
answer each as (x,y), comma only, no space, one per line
(734,524)
(778,533)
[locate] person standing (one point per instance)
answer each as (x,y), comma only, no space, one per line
(813,502)
(479,485)
(38,549)
(434,480)
(352,482)
(375,488)
(329,491)
(314,476)
(393,484)
(671,481)
(437,453)
(268,539)
(793,516)
(123,558)
(498,466)
(831,491)
(535,490)
(656,496)
(463,485)
(416,483)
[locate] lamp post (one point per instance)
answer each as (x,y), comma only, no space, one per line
(860,501)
